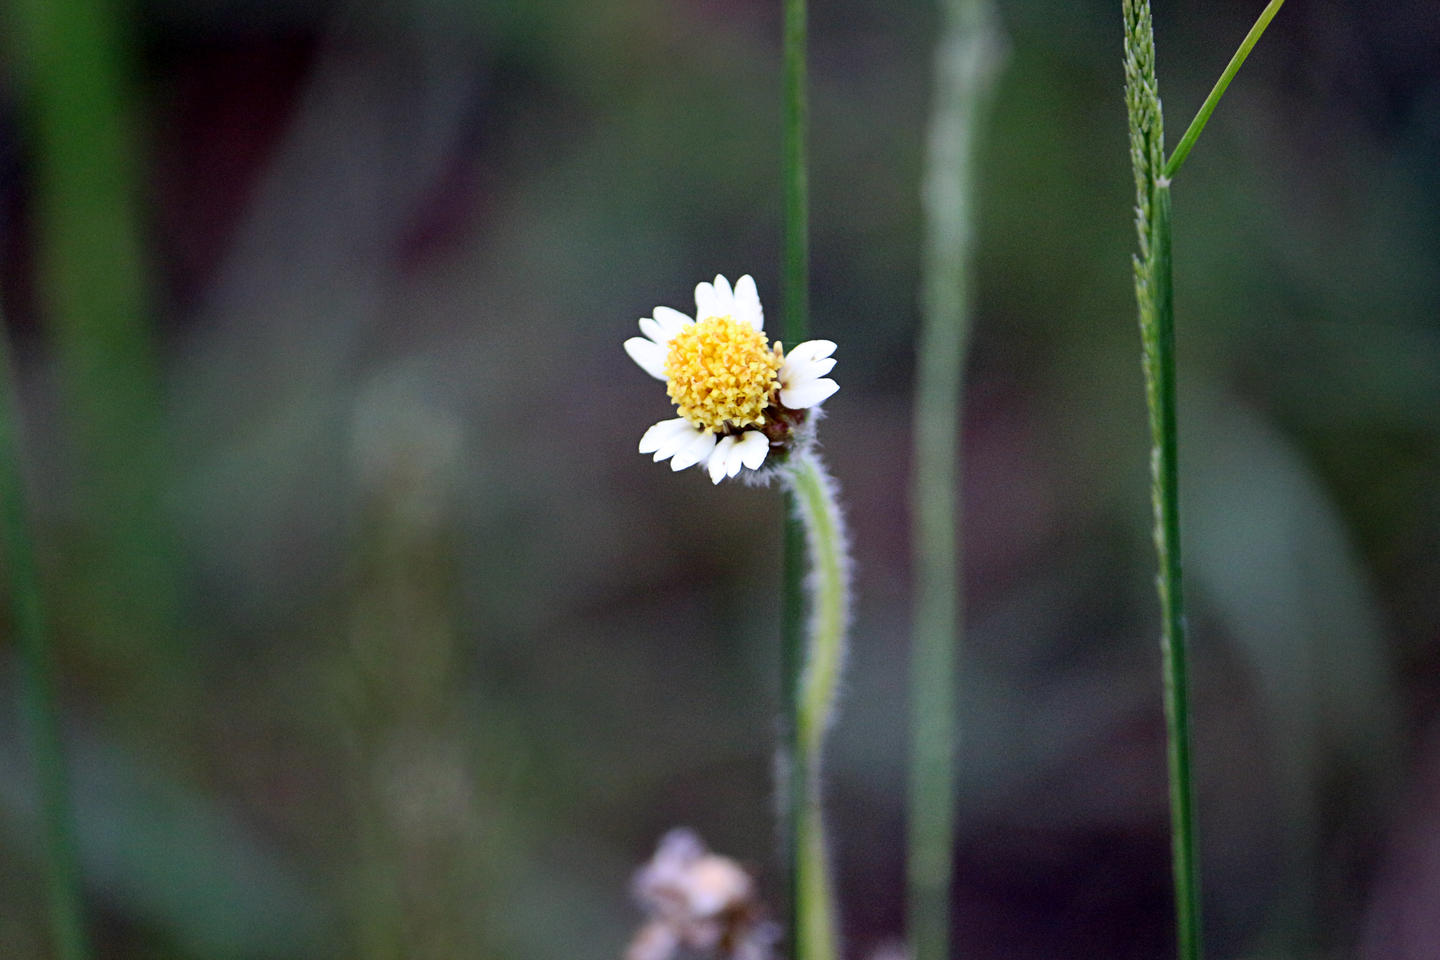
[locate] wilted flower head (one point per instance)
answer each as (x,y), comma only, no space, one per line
(700,901)
(739,397)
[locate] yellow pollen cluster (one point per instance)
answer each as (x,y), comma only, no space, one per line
(720,371)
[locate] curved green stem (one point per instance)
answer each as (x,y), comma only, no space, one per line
(37,680)
(812,493)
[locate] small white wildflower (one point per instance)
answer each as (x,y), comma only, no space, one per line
(699,901)
(739,398)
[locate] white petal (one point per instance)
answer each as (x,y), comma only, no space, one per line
(736,460)
(649,354)
(697,451)
(714,299)
(671,321)
(818,368)
(753,447)
(811,350)
(654,331)
(720,459)
(724,296)
(734,463)
(793,375)
(747,303)
(808,394)
(665,431)
(677,442)
(705,301)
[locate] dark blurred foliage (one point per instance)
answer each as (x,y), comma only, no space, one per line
(456,655)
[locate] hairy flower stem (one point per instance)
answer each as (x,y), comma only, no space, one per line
(37,681)
(1155,298)
(827,590)
(967,60)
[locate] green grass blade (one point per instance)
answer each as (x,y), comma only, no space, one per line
(1182,150)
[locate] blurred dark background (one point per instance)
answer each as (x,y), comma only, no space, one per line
(422,657)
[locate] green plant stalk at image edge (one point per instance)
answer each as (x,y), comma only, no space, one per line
(968,57)
(37,683)
(120,600)
(1154,295)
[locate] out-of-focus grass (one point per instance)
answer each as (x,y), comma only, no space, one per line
(44,749)
(117,575)
(968,56)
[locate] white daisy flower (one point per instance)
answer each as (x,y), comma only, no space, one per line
(738,397)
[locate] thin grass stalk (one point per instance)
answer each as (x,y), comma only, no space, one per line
(827,588)
(37,685)
(1154,297)
(797,855)
(1165,466)
(967,59)
(795,265)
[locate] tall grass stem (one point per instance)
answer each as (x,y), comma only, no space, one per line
(793,789)
(967,60)
(1165,467)
(37,681)
(795,265)
(1154,298)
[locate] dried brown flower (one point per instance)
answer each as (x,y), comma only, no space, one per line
(698,901)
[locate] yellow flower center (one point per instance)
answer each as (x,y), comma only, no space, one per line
(720,371)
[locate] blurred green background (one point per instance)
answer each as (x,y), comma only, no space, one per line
(379,640)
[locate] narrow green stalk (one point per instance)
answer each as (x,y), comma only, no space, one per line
(1153,294)
(794,790)
(812,493)
(1165,465)
(37,678)
(795,264)
(1177,159)
(967,60)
